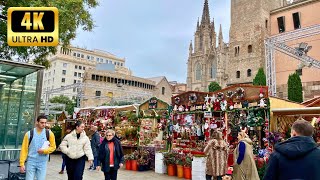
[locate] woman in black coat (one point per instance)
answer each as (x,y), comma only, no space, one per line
(110,156)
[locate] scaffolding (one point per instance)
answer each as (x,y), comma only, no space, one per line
(277,42)
(130,95)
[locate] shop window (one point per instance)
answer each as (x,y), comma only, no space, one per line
(281,24)
(238,74)
(250,48)
(296,20)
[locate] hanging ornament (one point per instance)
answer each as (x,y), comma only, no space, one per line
(220,96)
(229,94)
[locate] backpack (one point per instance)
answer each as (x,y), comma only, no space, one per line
(31,135)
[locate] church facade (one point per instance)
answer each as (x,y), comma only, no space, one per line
(237,61)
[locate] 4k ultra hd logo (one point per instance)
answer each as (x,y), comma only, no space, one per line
(33,26)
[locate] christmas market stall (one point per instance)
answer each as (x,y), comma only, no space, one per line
(196,115)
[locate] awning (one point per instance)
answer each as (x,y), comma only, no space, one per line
(11,70)
(297,111)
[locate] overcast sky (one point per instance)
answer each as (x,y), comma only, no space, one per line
(153,35)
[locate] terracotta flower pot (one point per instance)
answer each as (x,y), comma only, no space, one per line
(171,169)
(187,172)
(134,165)
(180,171)
(128,165)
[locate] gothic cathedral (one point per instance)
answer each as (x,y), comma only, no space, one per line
(237,61)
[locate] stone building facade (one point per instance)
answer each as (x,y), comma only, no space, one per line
(237,61)
(104,86)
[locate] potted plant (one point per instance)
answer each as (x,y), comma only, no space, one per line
(134,161)
(187,167)
(170,160)
(179,163)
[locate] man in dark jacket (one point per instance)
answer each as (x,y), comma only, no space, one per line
(298,158)
(95,142)
(110,156)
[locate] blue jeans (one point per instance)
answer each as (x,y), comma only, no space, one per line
(63,162)
(95,162)
(36,169)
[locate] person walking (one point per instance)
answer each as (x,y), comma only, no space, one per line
(245,166)
(102,135)
(76,146)
(110,156)
(95,142)
(37,144)
(64,156)
(217,153)
(296,158)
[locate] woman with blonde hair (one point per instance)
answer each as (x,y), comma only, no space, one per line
(245,166)
(217,152)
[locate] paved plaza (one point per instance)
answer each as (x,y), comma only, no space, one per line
(54,167)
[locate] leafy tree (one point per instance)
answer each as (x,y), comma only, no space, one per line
(260,79)
(72,14)
(214,86)
(295,88)
(70,104)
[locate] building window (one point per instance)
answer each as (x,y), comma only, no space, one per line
(281,24)
(121,64)
(238,74)
(236,51)
(88,57)
(98,93)
(248,73)
(74,54)
(84,68)
(110,62)
(299,72)
(63,80)
(74,89)
(76,66)
(163,90)
(250,49)
(198,71)
(101,60)
(74,81)
(97,59)
(80,67)
(78,55)
(65,64)
(266,25)
(213,71)
(82,56)
(79,75)
(92,58)
(75,74)
(64,72)
(296,20)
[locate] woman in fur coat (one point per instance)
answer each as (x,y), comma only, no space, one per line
(217,154)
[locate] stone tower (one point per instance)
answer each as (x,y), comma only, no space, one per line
(249,27)
(206,61)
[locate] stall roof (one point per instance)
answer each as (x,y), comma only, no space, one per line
(296,111)
(117,107)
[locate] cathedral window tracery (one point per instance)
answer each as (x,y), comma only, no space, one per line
(198,71)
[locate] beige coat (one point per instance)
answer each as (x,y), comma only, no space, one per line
(75,148)
(247,170)
(217,153)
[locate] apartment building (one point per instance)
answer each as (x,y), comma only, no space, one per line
(69,65)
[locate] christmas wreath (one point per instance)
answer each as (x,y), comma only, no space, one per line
(193,98)
(229,94)
(239,93)
(177,100)
(220,96)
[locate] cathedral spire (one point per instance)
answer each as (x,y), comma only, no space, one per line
(213,25)
(205,14)
(220,37)
(198,24)
(190,48)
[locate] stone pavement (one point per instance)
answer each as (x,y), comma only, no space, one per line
(54,166)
